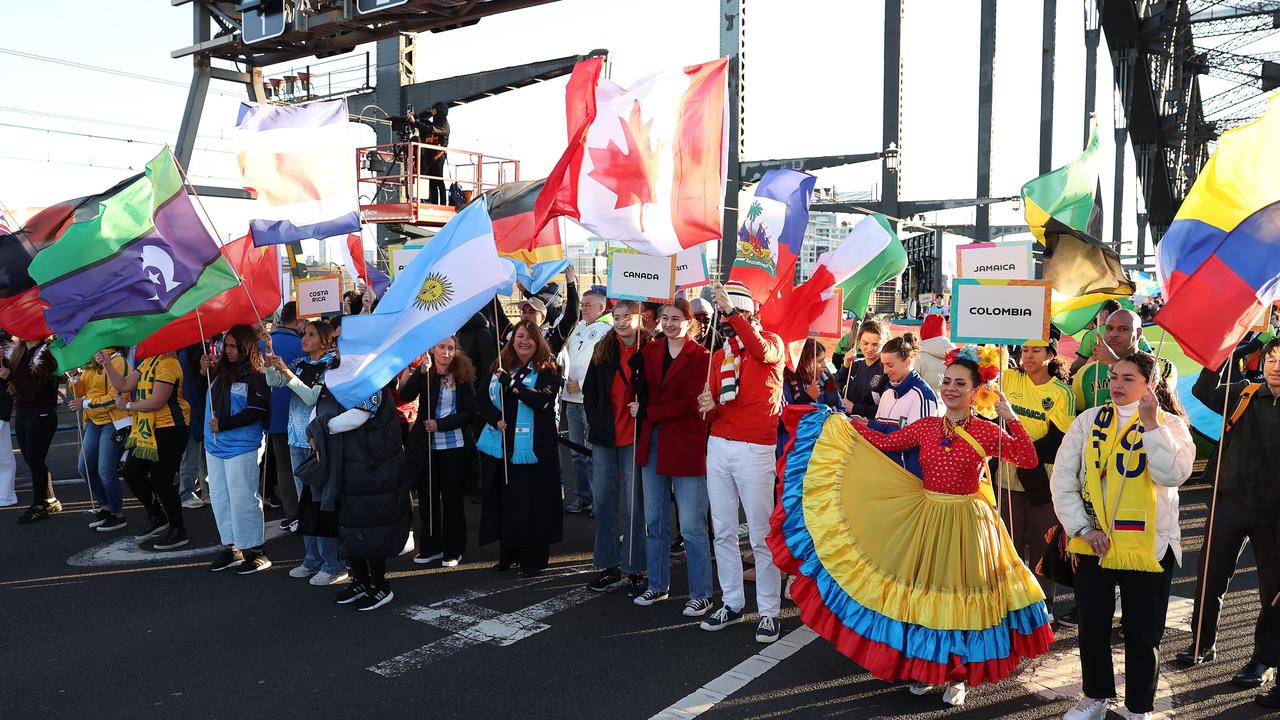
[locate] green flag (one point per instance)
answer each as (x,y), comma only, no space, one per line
(142,261)
(1066,194)
(873,255)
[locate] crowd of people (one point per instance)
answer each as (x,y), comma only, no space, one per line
(674,417)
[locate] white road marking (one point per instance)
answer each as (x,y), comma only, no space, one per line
(127,551)
(472,625)
(702,699)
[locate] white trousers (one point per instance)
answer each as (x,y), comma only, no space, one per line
(8,466)
(743,472)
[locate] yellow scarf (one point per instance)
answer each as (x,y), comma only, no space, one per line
(1126,508)
(142,440)
(984,485)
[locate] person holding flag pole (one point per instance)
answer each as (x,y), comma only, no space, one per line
(102,443)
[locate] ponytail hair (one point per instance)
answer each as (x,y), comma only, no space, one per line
(1166,395)
(905,346)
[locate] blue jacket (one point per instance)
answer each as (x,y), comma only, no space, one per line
(240,409)
(900,405)
(288,345)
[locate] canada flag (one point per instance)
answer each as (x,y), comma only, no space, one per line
(646,164)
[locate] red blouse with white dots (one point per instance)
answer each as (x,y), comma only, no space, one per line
(950,464)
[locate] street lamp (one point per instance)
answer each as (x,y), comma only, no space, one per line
(891,159)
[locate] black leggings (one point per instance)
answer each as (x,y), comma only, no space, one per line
(369,572)
(440,491)
(35,433)
(152,481)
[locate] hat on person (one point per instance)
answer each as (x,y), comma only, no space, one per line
(934,326)
(701,306)
(535,303)
(740,296)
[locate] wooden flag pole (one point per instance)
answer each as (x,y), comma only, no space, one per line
(1213,507)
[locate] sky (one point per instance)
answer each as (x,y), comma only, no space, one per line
(812,87)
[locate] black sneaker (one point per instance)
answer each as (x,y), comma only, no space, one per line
(350,593)
(112,523)
(767,631)
(636,585)
(375,599)
(697,607)
(100,517)
(228,558)
(172,538)
(722,618)
(287,522)
(254,561)
(606,581)
(1070,618)
(649,597)
(578,506)
(154,526)
(33,514)
(272,502)
(425,557)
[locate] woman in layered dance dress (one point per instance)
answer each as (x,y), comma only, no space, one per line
(912,579)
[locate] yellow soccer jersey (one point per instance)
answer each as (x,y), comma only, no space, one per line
(1037,406)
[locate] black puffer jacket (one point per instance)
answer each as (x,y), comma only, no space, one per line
(372,480)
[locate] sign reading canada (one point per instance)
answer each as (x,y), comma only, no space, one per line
(317,296)
(648,278)
(1007,312)
(995,261)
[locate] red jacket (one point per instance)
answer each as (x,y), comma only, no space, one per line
(753,415)
(670,403)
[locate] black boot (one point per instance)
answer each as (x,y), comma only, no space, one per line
(1188,658)
(1252,675)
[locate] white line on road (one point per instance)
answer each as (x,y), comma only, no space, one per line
(127,551)
(473,625)
(702,699)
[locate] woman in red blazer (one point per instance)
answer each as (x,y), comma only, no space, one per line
(673,447)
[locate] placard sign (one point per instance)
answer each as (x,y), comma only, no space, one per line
(401,256)
(830,320)
(1006,312)
(995,261)
(691,268)
(648,278)
(319,295)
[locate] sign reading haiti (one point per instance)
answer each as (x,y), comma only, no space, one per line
(999,311)
(691,267)
(320,295)
(995,261)
(650,278)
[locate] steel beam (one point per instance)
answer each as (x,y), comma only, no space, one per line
(752,170)
(1092,38)
(1047,59)
(732,20)
(891,128)
(986,68)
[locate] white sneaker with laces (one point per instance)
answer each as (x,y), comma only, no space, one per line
(322,579)
(954,694)
(1088,708)
(301,572)
(193,503)
(921,688)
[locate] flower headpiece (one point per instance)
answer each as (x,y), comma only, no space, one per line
(989,359)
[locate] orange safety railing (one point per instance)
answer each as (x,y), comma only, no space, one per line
(394,185)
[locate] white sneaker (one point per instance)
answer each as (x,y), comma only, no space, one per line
(321,579)
(921,688)
(1124,712)
(1088,708)
(954,694)
(193,503)
(301,572)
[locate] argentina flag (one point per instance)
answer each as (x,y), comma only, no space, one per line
(450,279)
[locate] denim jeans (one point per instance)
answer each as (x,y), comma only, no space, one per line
(193,470)
(322,552)
(236,496)
(99,456)
(618,504)
(576,419)
(691,502)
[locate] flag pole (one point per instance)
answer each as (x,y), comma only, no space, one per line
(431,440)
(1213,506)
(714,330)
(80,439)
(502,401)
(209,219)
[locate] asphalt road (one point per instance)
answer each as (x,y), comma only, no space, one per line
(93,627)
